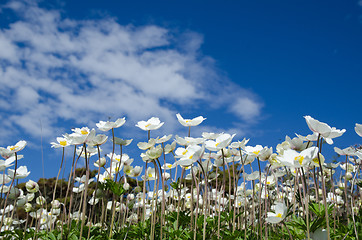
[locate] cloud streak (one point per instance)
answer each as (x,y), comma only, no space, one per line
(55,69)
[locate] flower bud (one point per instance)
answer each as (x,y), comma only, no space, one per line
(40,200)
(32,186)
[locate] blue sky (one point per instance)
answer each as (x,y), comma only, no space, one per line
(253,68)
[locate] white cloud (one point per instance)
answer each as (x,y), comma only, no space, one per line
(54,69)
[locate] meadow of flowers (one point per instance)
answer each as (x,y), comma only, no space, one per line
(206,187)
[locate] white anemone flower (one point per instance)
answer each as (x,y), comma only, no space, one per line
(106,126)
(61,142)
(11,150)
(210,136)
(4,179)
(188,140)
(8,162)
(349,151)
(123,142)
(222,141)
(358,129)
(21,172)
(279,215)
(98,140)
(292,158)
(153,123)
(323,129)
(32,186)
(150,174)
(189,155)
(239,144)
(190,122)
(80,135)
(163,139)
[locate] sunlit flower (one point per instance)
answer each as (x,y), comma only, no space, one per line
(170,147)
(189,155)
(104,176)
(190,122)
(61,142)
(239,144)
(297,144)
(188,140)
(349,151)
(279,215)
(332,198)
(150,174)
(154,152)
(21,172)
(8,162)
(323,129)
(106,126)
(4,179)
(292,158)
(91,151)
(168,166)
(222,141)
(318,158)
(81,135)
(136,171)
(11,150)
(146,145)
(100,162)
(151,124)
(118,158)
(163,139)
(210,136)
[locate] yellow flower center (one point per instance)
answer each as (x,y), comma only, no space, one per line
(150,175)
(299,159)
(184,152)
(191,157)
(187,121)
(279,215)
(84,132)
(63,143)
(148,125)
(268,182)
(315,160)
(13,148)
(256,152)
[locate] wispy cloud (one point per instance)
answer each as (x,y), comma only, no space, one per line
(55,69)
